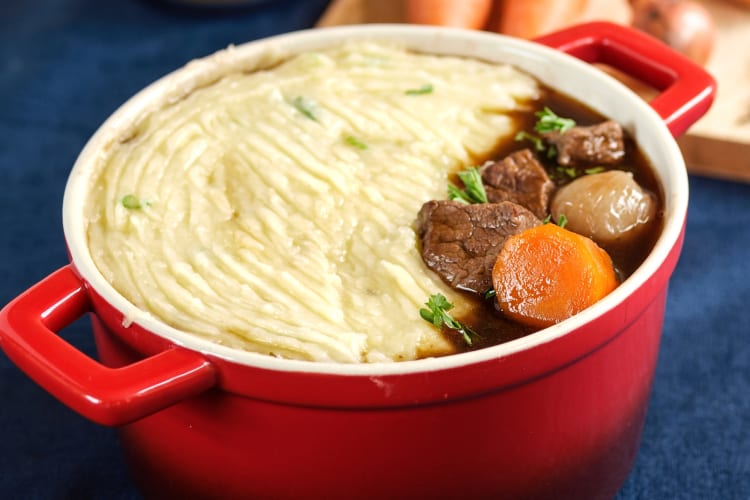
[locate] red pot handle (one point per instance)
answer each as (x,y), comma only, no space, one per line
(109,396)
(687,90)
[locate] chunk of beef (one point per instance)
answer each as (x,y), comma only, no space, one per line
(520,178)
(600,144)
(460,242)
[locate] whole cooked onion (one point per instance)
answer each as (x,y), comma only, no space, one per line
(684,25)
(608,207)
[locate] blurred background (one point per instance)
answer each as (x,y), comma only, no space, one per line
(65,65)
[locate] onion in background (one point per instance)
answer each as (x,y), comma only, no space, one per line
(684,25)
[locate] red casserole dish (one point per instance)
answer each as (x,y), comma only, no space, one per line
(561,410)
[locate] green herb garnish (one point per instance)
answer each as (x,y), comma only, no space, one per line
(594,170)
(550,122)
(535,140)
(473,191)
(563,173)
(562,221)
(353,141)
(305,106)
(490,294)
(427,88)
(131,202)
(571,172)
(436,313)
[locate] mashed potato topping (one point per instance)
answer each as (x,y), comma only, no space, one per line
(273,210)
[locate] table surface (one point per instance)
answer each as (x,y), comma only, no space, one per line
(65,65)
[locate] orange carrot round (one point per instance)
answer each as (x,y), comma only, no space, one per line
(546,274)
(472,14)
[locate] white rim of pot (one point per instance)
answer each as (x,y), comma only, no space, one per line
(554,68)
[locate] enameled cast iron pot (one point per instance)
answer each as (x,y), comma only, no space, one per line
(557,414)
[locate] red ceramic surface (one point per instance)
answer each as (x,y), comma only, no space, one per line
(557,414)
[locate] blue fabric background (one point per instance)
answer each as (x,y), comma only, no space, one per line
(65,65)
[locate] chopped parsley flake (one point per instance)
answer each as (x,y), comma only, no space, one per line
(536,141)
(562,221)
(427,88)
(131,202)
(594,170)
(305,106)
(354,142)
(473,191)
(550,122)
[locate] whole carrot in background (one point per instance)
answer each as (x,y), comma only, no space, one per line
(531,18)
(685,25)
(521,18)
(471,14)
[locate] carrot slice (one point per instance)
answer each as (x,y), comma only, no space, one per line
(546,274)
(472,14)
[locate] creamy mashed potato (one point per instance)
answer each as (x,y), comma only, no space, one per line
(273,210)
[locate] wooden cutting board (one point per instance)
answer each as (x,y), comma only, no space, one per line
(718,145)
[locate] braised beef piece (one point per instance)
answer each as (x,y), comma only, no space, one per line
(520,178)
(600,144)
(460,242)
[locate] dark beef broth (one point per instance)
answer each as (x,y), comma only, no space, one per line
(484,317)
